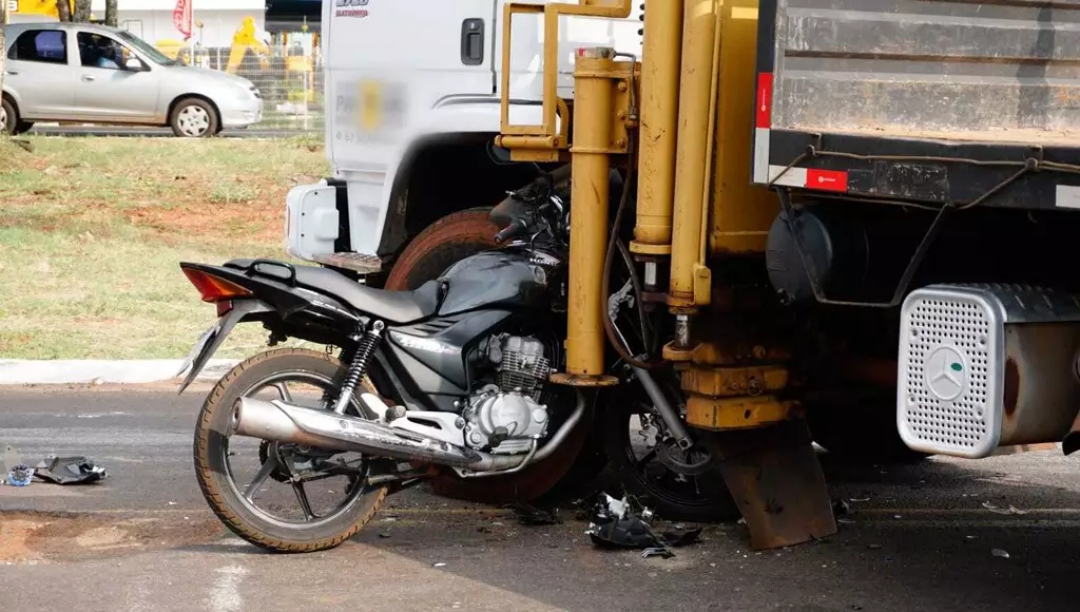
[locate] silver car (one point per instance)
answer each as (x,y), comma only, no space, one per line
(96,74)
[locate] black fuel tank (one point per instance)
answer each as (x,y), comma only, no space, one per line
(512,277)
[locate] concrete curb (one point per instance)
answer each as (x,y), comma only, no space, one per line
(69,372)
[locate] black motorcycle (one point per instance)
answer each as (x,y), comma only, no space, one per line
(453,375)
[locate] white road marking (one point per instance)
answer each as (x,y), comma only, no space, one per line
(225,594)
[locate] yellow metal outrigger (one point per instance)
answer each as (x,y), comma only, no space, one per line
(695,208)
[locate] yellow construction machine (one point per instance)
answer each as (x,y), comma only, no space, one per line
(815,194)
(679,122)
(43,8)
(247,48)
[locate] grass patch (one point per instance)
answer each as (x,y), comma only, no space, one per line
(92,230)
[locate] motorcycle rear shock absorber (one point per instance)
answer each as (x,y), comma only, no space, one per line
(369,340)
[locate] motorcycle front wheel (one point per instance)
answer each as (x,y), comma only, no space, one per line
(280,508)
(679,486)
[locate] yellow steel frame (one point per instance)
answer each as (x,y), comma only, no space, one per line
(548,134)
(660,73)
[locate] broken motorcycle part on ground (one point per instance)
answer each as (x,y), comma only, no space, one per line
(622,525)
(16,473)
(20,475)
(70,470)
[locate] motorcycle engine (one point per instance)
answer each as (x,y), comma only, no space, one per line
(507,417)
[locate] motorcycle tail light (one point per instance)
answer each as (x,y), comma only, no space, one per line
(214,289)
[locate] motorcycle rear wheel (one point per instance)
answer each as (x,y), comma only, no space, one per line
(223,494)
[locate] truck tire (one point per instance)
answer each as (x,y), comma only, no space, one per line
(445,242)
(194,118)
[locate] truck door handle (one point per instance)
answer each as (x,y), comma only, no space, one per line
(472,41)
(88,78)
(11,72)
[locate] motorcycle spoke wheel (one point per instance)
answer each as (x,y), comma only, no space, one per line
(281,496)
(278,462)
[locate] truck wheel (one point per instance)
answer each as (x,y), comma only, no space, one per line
(447,241)
(194,118)
(861,430)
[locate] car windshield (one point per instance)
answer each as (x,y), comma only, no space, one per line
(145,48)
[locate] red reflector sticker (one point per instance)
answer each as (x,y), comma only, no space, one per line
(826,180)
(764,99)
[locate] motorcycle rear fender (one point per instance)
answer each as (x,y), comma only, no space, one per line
(241,310)
(272,295)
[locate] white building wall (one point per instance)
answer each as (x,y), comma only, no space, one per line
(151,20)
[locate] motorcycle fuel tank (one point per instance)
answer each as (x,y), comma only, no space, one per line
(514,277)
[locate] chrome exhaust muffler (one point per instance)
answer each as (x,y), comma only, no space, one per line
(278,421)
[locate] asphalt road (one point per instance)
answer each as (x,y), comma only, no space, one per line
(142,132)
(917,538)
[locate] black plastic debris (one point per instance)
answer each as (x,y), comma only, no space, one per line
(532,516)
(622,525)
(70,470)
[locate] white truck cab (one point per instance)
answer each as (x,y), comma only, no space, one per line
(412,97)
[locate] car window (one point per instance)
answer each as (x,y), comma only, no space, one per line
(99,51)
(155,56)
(49,46)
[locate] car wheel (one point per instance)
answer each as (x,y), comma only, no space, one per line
(9,117)
(194,118)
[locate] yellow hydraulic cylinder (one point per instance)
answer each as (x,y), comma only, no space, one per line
(659,125)
(594,90)
(695,108)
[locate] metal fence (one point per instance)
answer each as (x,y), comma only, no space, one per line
(289,77)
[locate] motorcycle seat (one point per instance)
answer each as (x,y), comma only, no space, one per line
(392,306)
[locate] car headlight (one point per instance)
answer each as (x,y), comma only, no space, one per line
(248,92)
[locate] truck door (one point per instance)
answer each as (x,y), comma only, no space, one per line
(388,61)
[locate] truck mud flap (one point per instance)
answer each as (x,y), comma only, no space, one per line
(775,477)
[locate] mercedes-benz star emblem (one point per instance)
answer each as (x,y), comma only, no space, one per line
(946,374)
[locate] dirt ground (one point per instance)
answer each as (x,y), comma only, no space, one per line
(92,231)
(54,537)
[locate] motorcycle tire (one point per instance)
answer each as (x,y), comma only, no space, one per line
(710,500)
(211,469)
(572,467)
